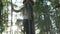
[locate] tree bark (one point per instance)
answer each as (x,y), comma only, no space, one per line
(28,22)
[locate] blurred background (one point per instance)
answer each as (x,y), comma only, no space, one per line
(46,17)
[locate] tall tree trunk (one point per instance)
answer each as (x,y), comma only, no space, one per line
(28,18)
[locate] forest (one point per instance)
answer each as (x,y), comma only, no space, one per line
(29,16)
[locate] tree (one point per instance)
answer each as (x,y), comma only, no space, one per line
(43,12)
(1,24)
(29,22)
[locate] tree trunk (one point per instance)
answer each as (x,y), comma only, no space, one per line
(28,18)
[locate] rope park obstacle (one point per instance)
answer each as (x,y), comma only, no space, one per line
(28,21)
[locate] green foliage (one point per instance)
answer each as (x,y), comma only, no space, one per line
(1,24)
(39,8)
(1,5)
